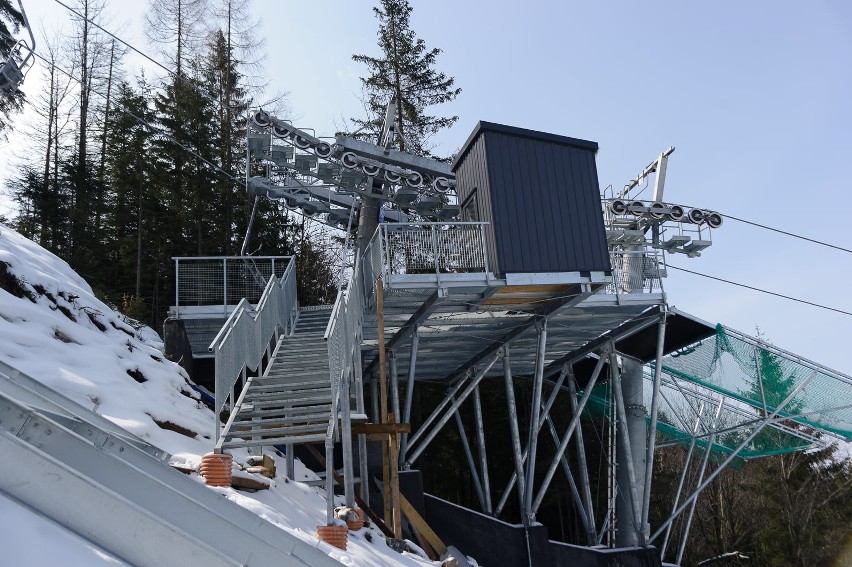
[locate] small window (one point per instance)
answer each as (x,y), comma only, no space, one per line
(470,210)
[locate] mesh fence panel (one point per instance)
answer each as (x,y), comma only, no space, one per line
(761,377)
(434,247)
(225,280)
(750,379)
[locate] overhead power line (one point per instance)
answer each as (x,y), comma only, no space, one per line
(796,299)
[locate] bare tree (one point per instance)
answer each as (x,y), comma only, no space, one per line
(177,26)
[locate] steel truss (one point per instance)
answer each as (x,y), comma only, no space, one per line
(560,377)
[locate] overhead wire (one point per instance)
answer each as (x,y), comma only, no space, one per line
(144,122)
(787,233)
(790,298)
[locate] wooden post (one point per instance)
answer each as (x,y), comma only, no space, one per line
(393,469)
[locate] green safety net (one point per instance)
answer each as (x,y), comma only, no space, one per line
(720,389)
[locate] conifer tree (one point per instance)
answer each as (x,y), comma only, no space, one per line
(405,71)
(10,22)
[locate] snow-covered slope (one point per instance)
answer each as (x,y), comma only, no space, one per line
(53,328)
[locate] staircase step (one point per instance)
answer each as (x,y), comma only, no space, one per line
(318,427)
(291,403)
(278,386)
(291,440)
(248,411)
(283,376)
(289,397)
(298,355)
(306,418)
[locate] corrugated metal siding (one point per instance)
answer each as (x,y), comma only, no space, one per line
(542,198)
(472,175)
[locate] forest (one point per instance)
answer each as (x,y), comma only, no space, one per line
(123,173)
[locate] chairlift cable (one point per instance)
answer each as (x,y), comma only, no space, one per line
(762,290)
(778,230)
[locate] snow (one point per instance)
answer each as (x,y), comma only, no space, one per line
(82,348)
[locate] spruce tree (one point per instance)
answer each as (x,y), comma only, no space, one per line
(405,71)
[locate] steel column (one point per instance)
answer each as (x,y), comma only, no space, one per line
(470,462)
(767,420)
(362,438)
(652,427)
(409,393)
(462,397)
(584,517)
(707,450)
(568,432)
(346,441)
(686,466)
(483,455)
(550,401)
(513,429)
(532,444)
(374,399)
(623,435)
(581,461)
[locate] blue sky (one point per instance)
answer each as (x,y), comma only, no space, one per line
(753,95)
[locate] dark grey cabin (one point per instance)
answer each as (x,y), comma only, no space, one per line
(540,194)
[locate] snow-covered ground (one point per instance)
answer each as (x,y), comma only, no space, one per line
(58,332)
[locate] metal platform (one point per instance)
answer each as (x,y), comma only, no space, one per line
(462,313)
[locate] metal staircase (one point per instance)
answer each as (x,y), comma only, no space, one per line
(291,401)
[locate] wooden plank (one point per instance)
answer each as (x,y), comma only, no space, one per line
(393,467)
(421,526)
(534,288)
(424,543)
(383,429)
(248,483)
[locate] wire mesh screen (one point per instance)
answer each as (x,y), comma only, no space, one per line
(688,409)
(762,377)
(225,280)
(639,271)
(434,247)
(730,384)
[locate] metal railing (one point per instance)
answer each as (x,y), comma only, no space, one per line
(223,280)
(436,248)
(248,332)
(636,271)
(428,248)
(343,338)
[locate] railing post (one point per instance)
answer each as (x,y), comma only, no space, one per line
(385,249)
(435,253)
(484,248)
(177,287)
(225,284)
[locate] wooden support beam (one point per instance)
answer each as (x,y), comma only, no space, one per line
(422,527)
(393,470)
(383,429)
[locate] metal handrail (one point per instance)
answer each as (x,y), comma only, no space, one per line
(245,336)
(342,336)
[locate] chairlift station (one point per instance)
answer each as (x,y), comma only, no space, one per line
(509,264)
(508,269)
